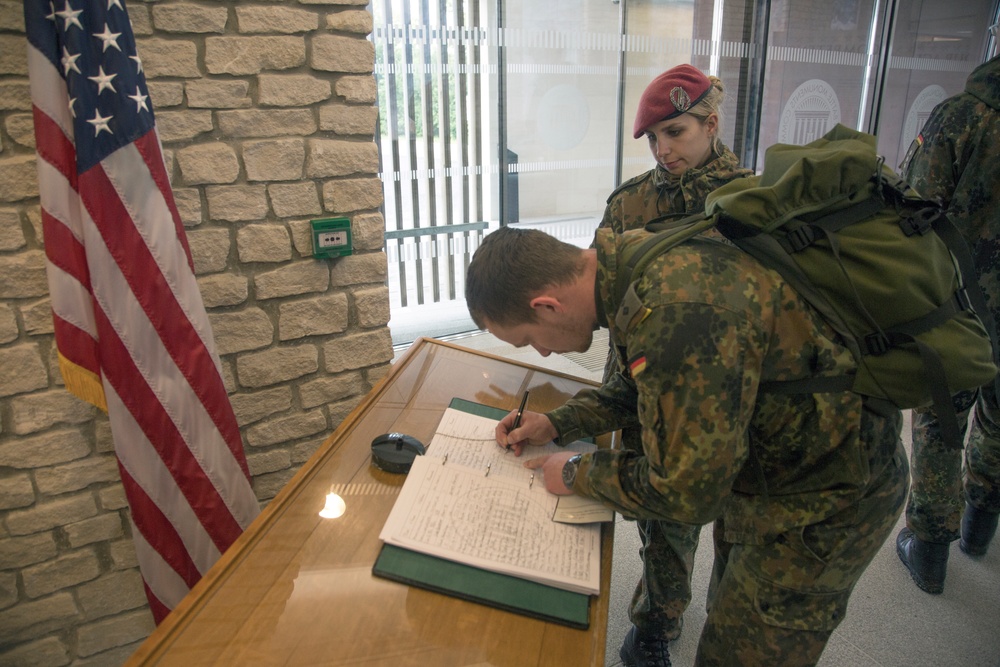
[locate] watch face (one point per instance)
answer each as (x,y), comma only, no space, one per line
(569,470)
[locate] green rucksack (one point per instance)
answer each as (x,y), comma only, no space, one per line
(887,270)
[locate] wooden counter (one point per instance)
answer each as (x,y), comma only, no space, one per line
(297,589)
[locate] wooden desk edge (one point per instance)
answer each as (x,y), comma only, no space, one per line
(184,613)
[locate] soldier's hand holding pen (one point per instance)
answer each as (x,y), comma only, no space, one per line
(534,429)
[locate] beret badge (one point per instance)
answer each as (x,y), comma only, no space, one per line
(680,99)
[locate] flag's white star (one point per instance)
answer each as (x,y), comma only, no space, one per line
(69,15)
(138,64)
(140,100)
(103,80)
(100,123)
(113,3)
(72,103)
(109,38)
(69,62)
(52,12)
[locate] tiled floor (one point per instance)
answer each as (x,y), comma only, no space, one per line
(890,622)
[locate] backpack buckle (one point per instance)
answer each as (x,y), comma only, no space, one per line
(877,344)
(920,222)
(800,238)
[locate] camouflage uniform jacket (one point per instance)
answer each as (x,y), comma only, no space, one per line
(657,193)
(715,324)
(956,160)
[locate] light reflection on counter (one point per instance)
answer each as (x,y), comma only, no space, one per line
(334,507)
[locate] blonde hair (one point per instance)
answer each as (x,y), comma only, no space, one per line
(711,103)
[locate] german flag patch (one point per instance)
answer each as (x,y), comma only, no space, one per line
(637,364)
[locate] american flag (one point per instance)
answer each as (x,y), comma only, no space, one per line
(130,326)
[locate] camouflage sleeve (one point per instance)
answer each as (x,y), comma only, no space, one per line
(931,161)
(696,368)
(596,411)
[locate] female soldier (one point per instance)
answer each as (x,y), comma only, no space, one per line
(680,114)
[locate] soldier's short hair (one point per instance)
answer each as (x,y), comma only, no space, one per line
(511,267)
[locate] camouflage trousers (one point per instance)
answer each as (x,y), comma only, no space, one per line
(941,484)
(778,603)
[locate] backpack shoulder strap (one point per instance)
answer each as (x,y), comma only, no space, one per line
(669,233)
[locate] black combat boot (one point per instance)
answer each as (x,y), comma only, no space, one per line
(642,651)
(978,527)
(926,561)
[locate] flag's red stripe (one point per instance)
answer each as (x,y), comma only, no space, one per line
(179,337)
(157,530)
(65,250)
(147,411)
(76,345)
(159,609)
(148,146)
(54,147)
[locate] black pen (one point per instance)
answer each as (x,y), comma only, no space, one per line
(520,412)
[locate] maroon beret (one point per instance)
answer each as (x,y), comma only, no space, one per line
(669,95)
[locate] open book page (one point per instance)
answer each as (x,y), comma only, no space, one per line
(469,501)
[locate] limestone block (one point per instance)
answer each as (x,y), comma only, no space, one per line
(236,203)
(113,593)
(263,242)
(45,449)
(312,317)
(334,157)
(22,370)
(18,176)
(352,20)
(62,572)
(241,330)
(372,306)
(47,652)
(168,58)
(17,552)
(223,289)
(21,128)
(340,53)
(266,122)
(268,485)
(368,231)
(352,194)
(183,125)
(357,350)
(214,162)
(209,249)
(16,491)
(347,120)
(278,430)
(359,269)
(8,324)
(188,17)
(12,16)
(266,462)
(35,412)
(22,275)
(13,55)
(274,159)
(77,474)
(291,90)
(217,94)
(117,631)
(252,406)
(37,317)
(302,277)
(276,365)
(292,199)
(101,528)
(188,201)
(356,89)
(252,55)
(275,19)
(331,389)
(123,554)
(15,94)
(51,612)
(51,514)
(11,232)
(165,94)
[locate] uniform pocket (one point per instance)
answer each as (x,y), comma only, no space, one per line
(798,610)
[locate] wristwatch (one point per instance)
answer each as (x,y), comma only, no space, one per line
(569,470)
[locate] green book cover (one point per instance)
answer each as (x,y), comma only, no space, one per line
(477,585)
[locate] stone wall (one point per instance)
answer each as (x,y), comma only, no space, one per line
(267,114)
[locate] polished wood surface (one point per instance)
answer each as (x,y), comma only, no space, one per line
(297,589)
